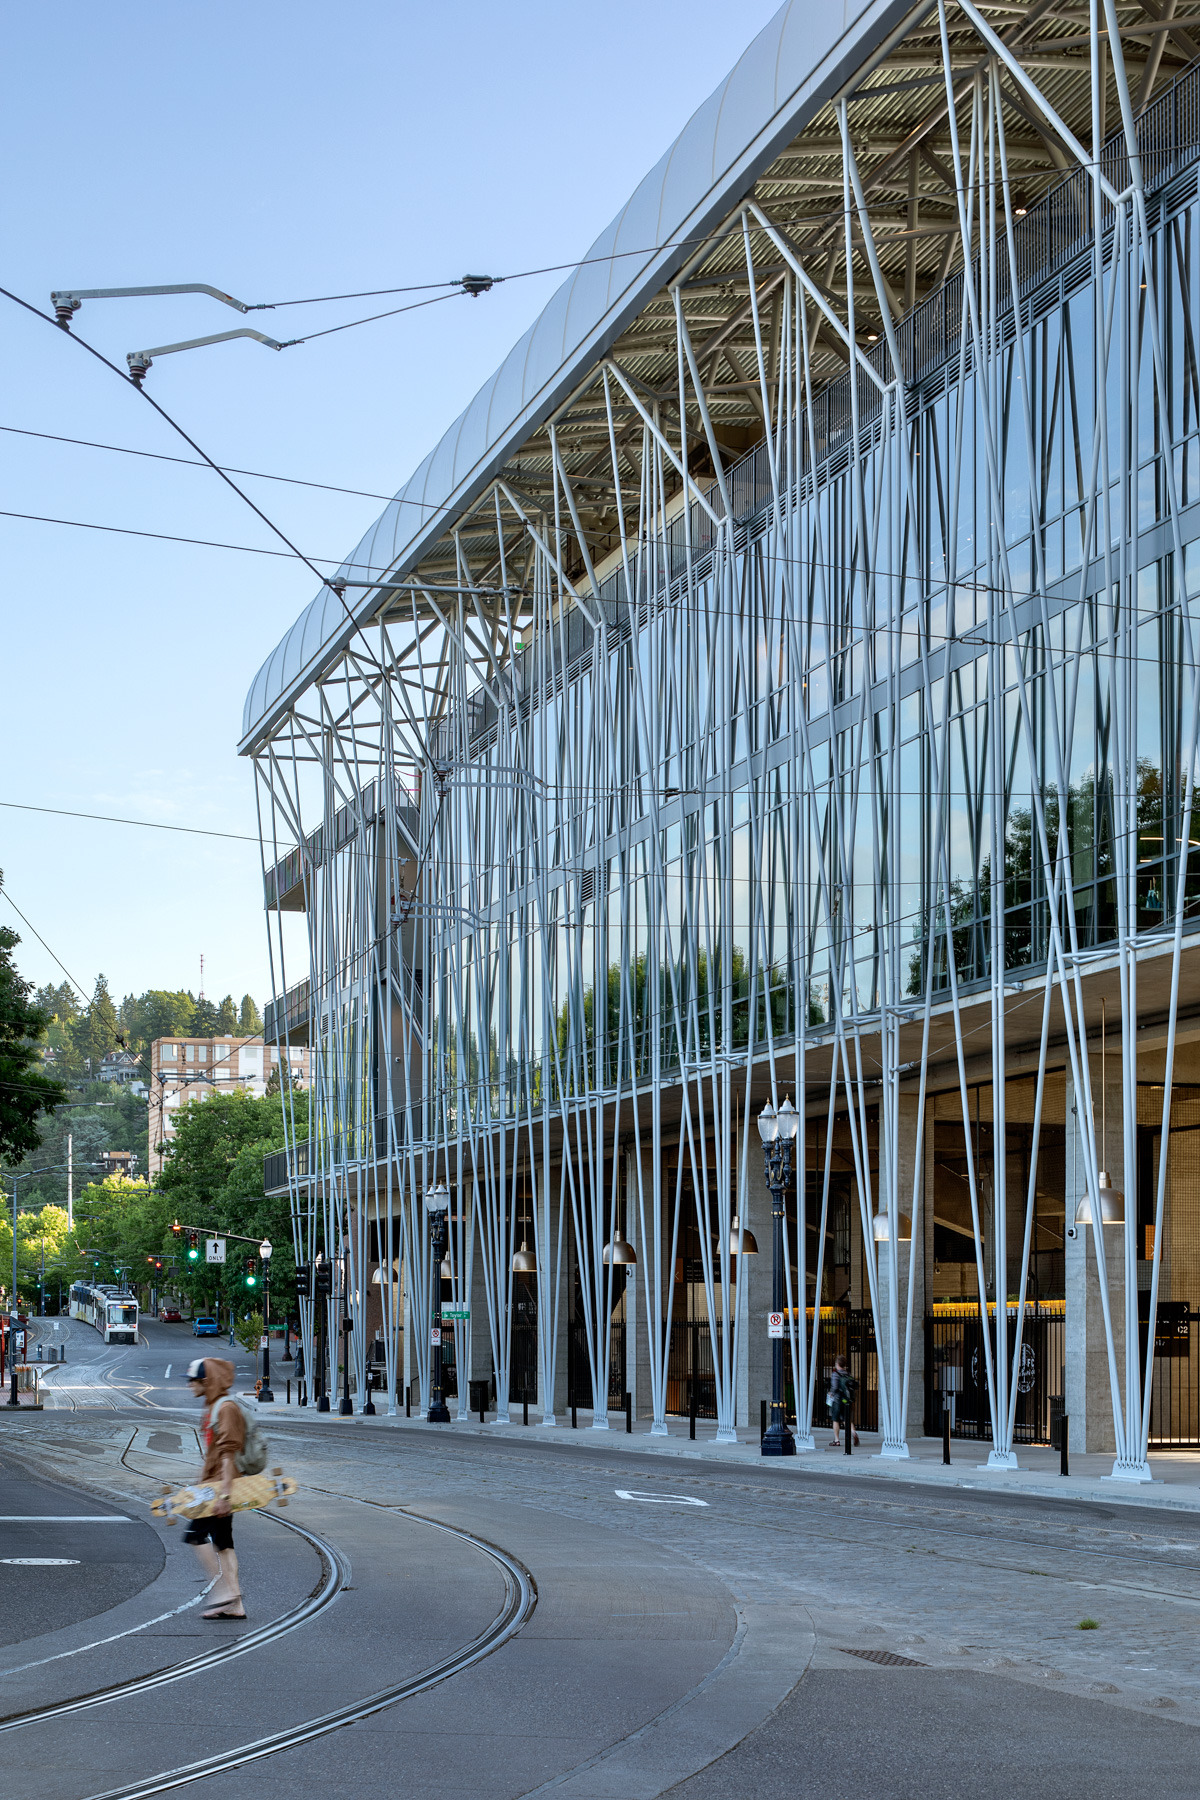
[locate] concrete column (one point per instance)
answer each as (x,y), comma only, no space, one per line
(1088,1385)
(913,1415)
(637,1336)
(754,1297)
(479,1358)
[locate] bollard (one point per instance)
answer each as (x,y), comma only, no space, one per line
(692,1414)
(628,1413)
(574,1417)
(408,1400)
(483,1408)
(848,1428)
(525,1412)
(946,1435)
(1064,1465)
(762,1420)
(289,1393)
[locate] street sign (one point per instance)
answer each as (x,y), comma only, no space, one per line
(775,1325)
(457,1315)
(214,1250)
(435,1336)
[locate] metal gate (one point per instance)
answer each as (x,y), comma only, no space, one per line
(1175,1379)
(956,1371)
(579,1369)
(848,1332)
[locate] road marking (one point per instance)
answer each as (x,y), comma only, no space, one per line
(167,1374)
(658,1499)
(65,1519)
(41,1562)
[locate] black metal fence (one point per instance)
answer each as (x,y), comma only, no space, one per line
(691,1368)
(579,1369)
(1175,1378)
(956,1371)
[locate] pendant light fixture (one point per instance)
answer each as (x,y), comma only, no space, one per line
(1112,1200)
(742,1240)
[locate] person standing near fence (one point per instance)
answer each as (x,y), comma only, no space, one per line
(839,1400)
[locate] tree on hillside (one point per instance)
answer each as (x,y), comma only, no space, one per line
(227,1017)
(250,1020)
(24,1091)
(96,1033)
(206,1021)
(61,1002)
(157,1014)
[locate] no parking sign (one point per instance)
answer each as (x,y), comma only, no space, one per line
(774,1325)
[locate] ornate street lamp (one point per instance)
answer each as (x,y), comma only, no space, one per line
(437,1203)
(264,1251)
(778,1132)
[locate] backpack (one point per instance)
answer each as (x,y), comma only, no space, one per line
(251,1459)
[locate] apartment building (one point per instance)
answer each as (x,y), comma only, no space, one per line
(195,1068)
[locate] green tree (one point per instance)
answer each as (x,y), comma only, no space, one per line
(212,1179)
(249,1330)
(157,1014)
(227,1018)
(96,1032)
(25,1092)
(206,1021)
(250,1019)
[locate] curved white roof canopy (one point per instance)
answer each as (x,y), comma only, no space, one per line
(804,55)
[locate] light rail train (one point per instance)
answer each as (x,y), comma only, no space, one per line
(112,1310)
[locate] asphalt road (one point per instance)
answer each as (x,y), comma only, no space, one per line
(699,1627)
(65,1556)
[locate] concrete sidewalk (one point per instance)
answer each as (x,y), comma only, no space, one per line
(1176,1483)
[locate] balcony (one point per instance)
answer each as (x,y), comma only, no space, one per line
(287,1019)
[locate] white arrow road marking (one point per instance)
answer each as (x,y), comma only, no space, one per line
(167,1375)
(658,1499)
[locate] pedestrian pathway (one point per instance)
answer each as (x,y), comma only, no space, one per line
(1176,1483)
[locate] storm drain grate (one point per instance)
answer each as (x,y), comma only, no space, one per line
(888,1658)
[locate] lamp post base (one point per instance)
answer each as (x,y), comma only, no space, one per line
(778,1442)
(346,1407)
(265,1394)
(323,1403)
(438,1414)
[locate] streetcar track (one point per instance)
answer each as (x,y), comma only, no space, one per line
(520,1598)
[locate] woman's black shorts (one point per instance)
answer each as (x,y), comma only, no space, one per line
(218,1528)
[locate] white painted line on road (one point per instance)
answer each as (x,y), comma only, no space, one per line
(658,1499)
(41,1562)
(65,1519)
(100,1642)
(167,1373)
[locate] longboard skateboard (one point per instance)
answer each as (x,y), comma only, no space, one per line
(200,1502)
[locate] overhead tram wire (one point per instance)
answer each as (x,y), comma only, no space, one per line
(162,412)
(413,584)
(190,462)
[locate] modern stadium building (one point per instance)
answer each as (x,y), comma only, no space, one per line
(781,681)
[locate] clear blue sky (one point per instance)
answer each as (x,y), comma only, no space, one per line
(275,151)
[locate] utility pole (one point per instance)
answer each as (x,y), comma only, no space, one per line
(70,1182)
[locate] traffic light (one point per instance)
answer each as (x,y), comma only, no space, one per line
(323,1279)
(193,1243)
(251,1276)
(303,1281)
